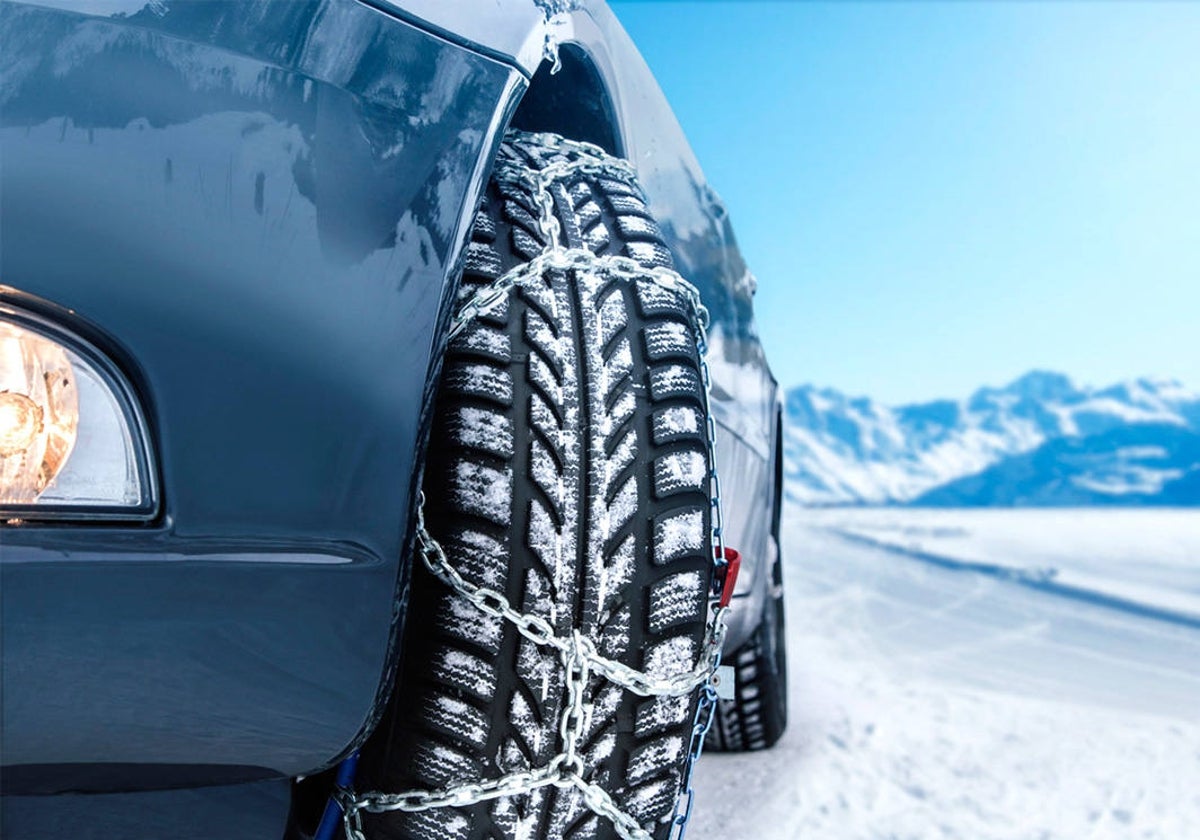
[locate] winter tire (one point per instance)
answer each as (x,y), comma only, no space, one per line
(568,469)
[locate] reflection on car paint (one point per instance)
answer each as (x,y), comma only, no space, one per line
(256,207)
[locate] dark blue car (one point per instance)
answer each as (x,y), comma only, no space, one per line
(380,406)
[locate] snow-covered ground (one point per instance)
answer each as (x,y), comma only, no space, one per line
(937,702)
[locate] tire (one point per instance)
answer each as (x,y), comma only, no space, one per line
(568,442)
(757,715)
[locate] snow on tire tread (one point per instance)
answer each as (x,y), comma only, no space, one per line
(564,460)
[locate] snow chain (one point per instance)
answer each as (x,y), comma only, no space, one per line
(579,656)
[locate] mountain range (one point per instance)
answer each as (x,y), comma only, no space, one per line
(1040,440)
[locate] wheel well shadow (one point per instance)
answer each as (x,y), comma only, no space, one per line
(572,102)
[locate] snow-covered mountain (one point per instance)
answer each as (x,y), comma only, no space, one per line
(853,450)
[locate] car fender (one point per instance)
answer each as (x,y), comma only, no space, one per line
(531,34)
(262,207)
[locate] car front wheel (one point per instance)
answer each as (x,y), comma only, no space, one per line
(569,472)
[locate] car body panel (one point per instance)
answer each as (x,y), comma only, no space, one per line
(513,31)
(262,220)
(257,209)
(255,811)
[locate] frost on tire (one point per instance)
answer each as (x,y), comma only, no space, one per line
(568,469)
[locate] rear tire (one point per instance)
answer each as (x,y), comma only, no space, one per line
(568,468)
(757,715)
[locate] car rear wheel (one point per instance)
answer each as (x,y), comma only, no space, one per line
(756,716)
(568,470)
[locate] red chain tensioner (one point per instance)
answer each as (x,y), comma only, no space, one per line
(727,572)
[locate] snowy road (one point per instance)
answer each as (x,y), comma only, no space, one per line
(929,703)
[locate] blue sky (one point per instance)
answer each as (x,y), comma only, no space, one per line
(937,196)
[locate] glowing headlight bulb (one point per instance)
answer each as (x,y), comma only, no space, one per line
(39,413)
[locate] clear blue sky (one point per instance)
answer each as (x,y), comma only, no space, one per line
(936,196)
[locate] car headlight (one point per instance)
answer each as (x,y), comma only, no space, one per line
(72,442)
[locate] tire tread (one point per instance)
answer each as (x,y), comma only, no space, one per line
(575,371)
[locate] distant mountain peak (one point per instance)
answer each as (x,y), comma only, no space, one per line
(854,450)
(1037,385)
(1042,385)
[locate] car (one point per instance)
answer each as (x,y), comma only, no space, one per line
(383,426)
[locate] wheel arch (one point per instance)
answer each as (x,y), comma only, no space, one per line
(572,101)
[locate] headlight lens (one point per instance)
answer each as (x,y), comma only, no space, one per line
(71,443)
(39,413)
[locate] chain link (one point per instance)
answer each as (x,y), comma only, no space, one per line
(579,656)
